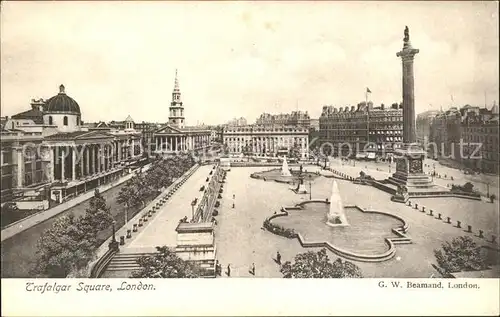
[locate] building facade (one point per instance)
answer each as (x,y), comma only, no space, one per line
(175,136)
(51,155)
(237,122)
(295,118)
(467,136)
(423,125)
(357,131)
(266,140)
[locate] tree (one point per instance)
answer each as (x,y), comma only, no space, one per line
(166,264)
(295,151)
(96,218)
(462,254)
(62,248)
(468,187)
(247,150)
(318,265)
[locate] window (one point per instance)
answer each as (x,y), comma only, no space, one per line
(65,120)
(77,120)
(50,120)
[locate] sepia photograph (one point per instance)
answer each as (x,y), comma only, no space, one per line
(354,141)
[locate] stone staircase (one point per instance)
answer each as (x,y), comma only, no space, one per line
(125,262)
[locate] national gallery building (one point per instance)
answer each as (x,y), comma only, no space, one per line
(48,154)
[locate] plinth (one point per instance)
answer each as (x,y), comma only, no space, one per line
(301,188)
(409,169)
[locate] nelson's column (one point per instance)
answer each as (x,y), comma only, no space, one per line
(409,158)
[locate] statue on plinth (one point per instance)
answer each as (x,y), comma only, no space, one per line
(407,35)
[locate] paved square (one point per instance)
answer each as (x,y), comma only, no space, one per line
(241,241)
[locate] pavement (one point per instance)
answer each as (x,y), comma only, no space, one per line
(161,229)
(241,241)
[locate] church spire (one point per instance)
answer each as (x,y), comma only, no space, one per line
(176,109)
(176,82)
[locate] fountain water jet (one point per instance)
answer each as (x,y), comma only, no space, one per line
(284,168)
(336,215)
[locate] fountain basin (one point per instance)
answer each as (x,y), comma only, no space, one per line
(276,175)
(370,237)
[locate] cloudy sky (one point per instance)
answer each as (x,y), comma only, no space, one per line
(241,59)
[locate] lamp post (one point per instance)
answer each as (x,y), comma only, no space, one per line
(114,230)
(126,215)
(310,190)
(113,245)
(192,210)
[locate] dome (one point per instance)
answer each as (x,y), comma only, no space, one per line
(62,103)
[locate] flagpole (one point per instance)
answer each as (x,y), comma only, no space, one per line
(367,118)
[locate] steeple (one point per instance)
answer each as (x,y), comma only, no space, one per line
(176,83)
(176,109)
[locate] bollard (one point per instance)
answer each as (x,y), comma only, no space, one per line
(416,206)
(431,212)
(423,209)
(448,220)
(409,203)
(153,210)
(493,238)
(469,228)
(439,216)
(481,234)
(459,224)
(150,214)
(140,222)
(129,234)
(145,218)
(122,240)
(134,228)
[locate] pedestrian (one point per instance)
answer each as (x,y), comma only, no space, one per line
(252,269)
(233,205)
(278,257)
(234,196)
(228,270)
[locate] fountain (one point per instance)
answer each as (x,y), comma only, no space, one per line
(284,168)
(336,215)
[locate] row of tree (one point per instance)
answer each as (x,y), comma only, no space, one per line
(142,187)
(70,244)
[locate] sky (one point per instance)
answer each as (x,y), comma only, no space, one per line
(240,59)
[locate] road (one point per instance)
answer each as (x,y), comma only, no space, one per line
(19,251)
(42,216)
(382,170)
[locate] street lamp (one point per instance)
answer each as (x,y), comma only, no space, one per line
(193,203)
(113,245)
(310,187)
(114,231)
(126,214)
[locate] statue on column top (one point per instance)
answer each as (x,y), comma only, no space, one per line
(407,35)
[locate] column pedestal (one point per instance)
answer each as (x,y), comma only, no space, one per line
(409,170)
